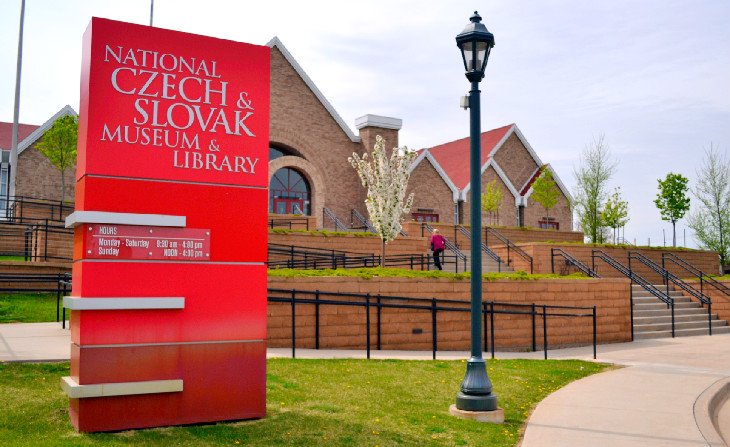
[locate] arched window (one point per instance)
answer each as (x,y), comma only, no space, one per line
(289,193)
(276,152)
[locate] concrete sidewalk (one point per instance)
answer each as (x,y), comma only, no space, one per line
(660,397)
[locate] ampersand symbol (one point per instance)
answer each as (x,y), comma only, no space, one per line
(213,147)
(243,101)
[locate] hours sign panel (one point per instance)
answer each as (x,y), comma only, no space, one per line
(168,303)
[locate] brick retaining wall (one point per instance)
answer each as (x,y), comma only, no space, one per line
(352,243)
(707,261)
(344,327)
(720,301)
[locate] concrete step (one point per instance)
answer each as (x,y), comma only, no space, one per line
(668,318)
(653,299)
(681,333)
(660,305)
(664,311)
(644,293)
(658,286)
(678,325)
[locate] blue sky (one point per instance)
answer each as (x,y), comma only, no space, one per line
(652,76)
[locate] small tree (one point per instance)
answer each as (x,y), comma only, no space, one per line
(59,146)
(711,221)
(491,200)
(596,168)
(386,180)
(615,213)
(545,191)
(672,200)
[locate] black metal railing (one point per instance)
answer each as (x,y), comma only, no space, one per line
(668,277)
(467,234)
(360,222)
(459,256)
(329,215)
(635,278)
(298,257)
(26,209)
(60,283)
(377,303)
(570,261)
(40,240)
(704,278)
(290,223)
(511,247)
(44,240)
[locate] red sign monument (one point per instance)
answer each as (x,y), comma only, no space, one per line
(168,305)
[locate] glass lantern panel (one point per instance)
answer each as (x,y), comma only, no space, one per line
(466,49)
(481,54)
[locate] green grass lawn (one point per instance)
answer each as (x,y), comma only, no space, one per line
(27,307)
(12,258)
(310,403)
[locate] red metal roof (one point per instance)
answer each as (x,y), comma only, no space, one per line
(6,134)
(454,156)
(534,177)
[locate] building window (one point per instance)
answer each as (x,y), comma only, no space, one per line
(4,188)
(548,224)
(289,193)
(277,152)
(425,217)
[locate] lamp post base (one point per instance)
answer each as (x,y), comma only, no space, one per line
(494,416)
(476,402)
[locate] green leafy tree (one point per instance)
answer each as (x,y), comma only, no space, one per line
(545,191)
(592,176)
(386,180)
(615,213)
(59,146)
(672,200)
(491,200)
(711,220)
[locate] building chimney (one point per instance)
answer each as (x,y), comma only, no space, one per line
(372,125)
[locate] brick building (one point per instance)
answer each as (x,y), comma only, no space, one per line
(308,168)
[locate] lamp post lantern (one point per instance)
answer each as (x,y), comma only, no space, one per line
(475,43)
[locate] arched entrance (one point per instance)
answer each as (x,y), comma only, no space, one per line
(289,193)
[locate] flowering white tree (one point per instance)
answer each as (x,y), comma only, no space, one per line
(386,180)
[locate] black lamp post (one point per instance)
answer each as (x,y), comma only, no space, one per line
(475,43)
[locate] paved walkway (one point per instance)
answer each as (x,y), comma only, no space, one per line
(656,399)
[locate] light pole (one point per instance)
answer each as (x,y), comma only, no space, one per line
(475,43)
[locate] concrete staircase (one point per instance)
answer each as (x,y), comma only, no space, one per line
(488,264)
(653,318)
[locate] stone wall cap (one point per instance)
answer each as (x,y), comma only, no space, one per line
(384,122)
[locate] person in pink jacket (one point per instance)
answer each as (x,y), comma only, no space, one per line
(438,243)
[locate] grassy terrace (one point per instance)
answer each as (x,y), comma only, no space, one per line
(404,273)
(310,403)
(27,307)
(40,307)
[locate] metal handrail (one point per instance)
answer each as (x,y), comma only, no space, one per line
(339,225)
(378,303)
(485,249)
(449,245)
(279,222)
(299,257)
(509,244)
(356,216)
(703,277)
(570,260)
(15,205)
(639,280)
(669,276)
